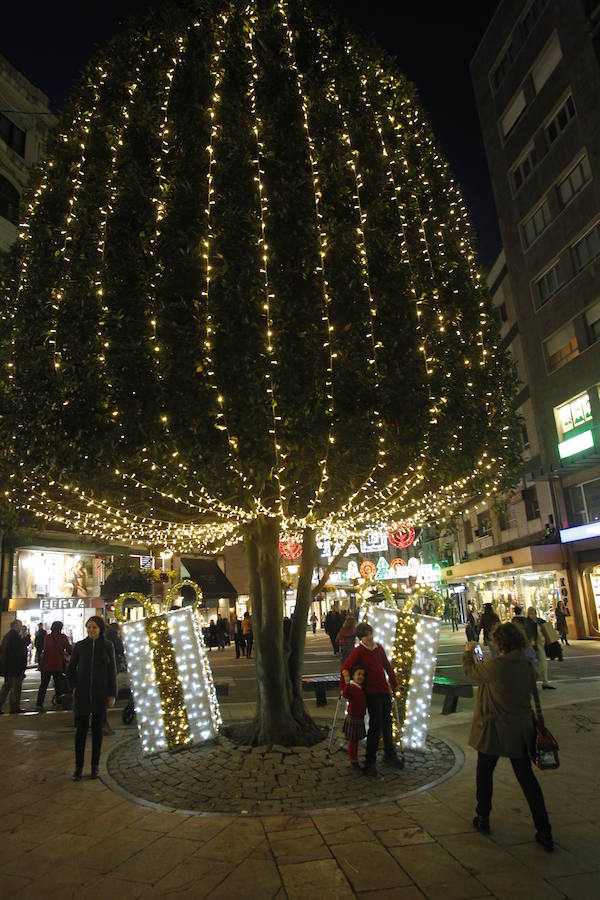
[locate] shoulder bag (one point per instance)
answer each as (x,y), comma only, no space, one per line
(545,751)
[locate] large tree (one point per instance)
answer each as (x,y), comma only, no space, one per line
(248,305)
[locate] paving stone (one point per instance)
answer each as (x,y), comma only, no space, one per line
(261,875)
(315,880)
(368,866)
(290,850)
(155,861)
(518,883)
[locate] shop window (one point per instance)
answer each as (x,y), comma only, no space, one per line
(532,507)
(536,223)
(561,348)
(546,64)
(514,112)
(573,414)
(577,178)
(9,201)
(523,169)
(549,283)
(587,248)
(560,120)
(12,135)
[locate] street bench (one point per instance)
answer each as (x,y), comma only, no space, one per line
(451,689)
(321,684)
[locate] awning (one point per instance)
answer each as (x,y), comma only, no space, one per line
(210,578)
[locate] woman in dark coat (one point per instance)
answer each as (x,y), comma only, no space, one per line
(503,725)
(92,674)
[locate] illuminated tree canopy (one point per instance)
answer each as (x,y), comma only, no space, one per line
(247,293)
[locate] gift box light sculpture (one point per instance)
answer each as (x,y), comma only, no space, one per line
(410,642)
(175,697)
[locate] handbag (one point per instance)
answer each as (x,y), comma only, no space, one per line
(545,750)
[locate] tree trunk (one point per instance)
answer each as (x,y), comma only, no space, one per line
(299,624)
(280,715)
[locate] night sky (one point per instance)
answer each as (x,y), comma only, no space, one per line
(50,42)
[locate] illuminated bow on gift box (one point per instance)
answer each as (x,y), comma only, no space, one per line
(372,591)
(164,605)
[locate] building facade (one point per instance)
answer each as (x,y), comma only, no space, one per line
(536,76)
(25,123)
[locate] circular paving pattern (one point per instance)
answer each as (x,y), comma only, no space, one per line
(220,777)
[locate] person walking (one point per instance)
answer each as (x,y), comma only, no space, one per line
(56,654)
(345,638)
(238,636)
(313,622)
(247,633)
(489,621)
(380,682)
(92,674)
(454,617)
(40,637)
(503,725)
(220,632)
(473,627)
(561,622)
(539,645)
(13,662)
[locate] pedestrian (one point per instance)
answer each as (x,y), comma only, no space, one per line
(539,645)
(40,637)
(28,643)
(56,655)
(454,617)
(92,673)
(313,622)
(380,682)
(561,622)
(354,723)
(212,635)
(473,628)
(331,629)
(220,632)
(13,662)
(345,638)
(503,725)
(113,634)
(489,621)
(247,632)
(238,636)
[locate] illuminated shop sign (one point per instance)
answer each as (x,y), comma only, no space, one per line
(580,532)
(61,603)
(576,444)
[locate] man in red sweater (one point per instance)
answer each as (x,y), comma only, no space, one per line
(379,696)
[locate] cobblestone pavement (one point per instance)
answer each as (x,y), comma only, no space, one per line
(280,780)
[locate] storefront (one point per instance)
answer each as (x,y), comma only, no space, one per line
(50,585)
(530,576)
(582,543)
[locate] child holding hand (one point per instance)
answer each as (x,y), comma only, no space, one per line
(354,723)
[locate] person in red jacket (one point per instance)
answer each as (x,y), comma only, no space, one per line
(354,723)
(378,688)
(55,656)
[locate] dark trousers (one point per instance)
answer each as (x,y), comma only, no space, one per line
(486,763)
(249,639)
(380,725)
(240,645)
(59,687)
(12,685)
(82,724)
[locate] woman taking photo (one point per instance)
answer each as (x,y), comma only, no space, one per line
(503,725)
(92,673)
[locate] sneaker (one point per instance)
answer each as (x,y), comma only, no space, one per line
(394,762)
(545,840)
(548,687)
(482,824)
(40,709)
(77,775)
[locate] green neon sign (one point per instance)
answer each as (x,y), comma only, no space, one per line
(576,444)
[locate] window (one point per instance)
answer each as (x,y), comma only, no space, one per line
(546,286)
(12,135)
(531,17)
(502,313)
(9,201)
(592,321)
(499,73)
(532,507)
(576,512)
(468,531)
(579,175)
(506,516)
(586,249)
(523,169)
(591,494)
(561,347)
(536,223)
(513,113)
(546,64)
(561,119)
(573,414)
(484,524)
(524,435)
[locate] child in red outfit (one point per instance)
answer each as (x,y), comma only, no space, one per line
(354,723)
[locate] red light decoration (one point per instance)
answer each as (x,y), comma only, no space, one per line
(290,548)
(367,569)
(401,535)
